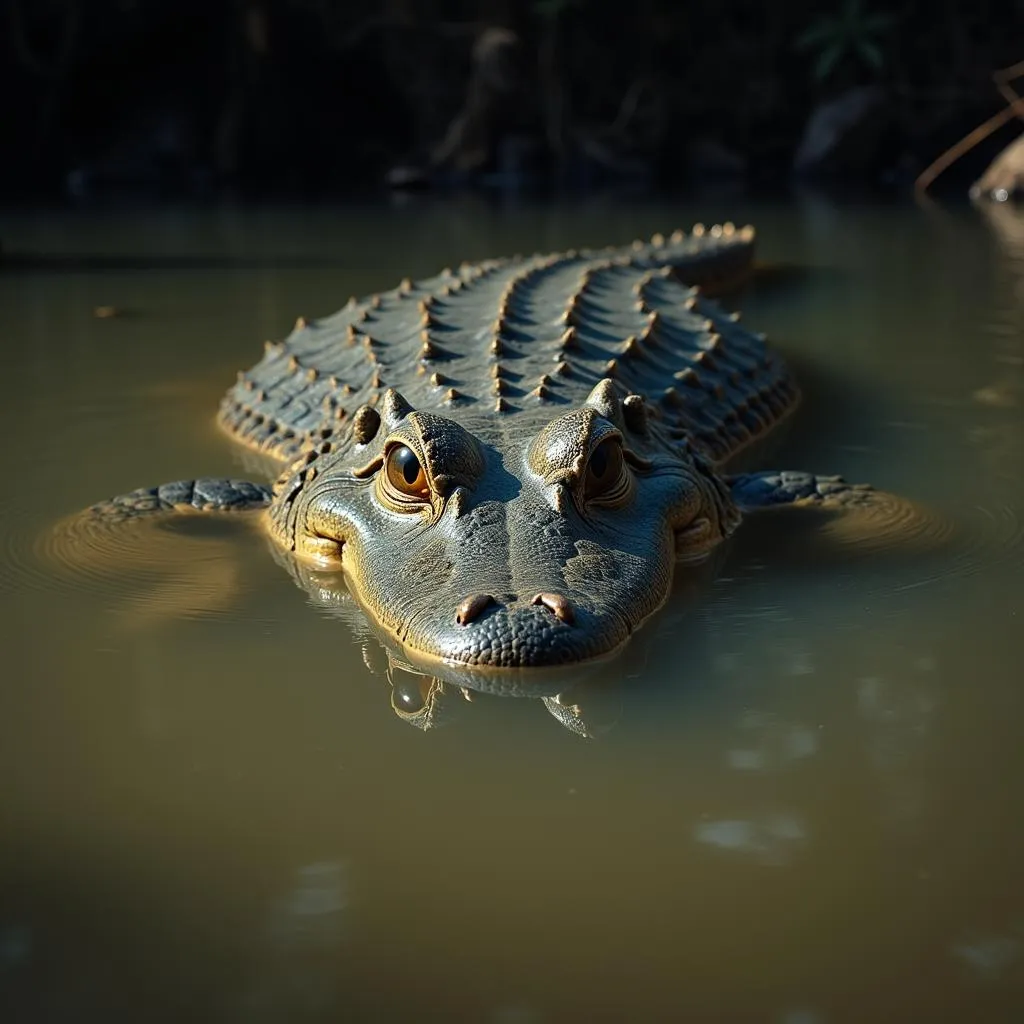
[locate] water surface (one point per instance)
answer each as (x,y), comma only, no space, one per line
(800,801)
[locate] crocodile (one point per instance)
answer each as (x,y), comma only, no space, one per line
(508,460)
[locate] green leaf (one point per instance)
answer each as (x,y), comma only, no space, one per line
(550,8)
(871,53)
(827,60)
(820,32)
(876,23)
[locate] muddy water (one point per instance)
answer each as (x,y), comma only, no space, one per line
(800,799)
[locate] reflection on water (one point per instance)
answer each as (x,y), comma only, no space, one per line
(794,798)
(771,839)
(990,956)
(303,936)
(586,699)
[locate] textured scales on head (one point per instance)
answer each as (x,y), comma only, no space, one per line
(507,527)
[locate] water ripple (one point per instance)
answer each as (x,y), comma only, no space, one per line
(146,570)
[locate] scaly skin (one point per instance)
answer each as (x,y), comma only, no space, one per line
(207,494)
(571,417)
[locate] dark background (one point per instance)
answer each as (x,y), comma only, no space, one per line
(314,98)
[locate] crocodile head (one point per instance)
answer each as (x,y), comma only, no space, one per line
(535,539)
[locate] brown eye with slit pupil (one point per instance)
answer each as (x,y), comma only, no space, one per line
(604,469)
(405,474)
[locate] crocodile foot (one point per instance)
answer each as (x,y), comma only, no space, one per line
(207,494)
(181,572)
(857,515)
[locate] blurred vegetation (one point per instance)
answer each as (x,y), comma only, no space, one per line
(854,33)
(302,97)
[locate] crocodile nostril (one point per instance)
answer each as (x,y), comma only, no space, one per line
(559,605)
(471,607)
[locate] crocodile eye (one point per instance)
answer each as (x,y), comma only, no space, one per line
(405,474)
(606,480)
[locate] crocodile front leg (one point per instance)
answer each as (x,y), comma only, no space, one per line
(853,514)
(772,487)
(207,494)
(179,572)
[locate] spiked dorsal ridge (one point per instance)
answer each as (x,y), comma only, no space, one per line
(604,399)
(641,282)
(365,424)
(634,413)
(394,408)
(543,327)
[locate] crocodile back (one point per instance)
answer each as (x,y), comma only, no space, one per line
(511,335)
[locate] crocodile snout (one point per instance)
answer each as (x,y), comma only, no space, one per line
(558,604)
(471,607)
